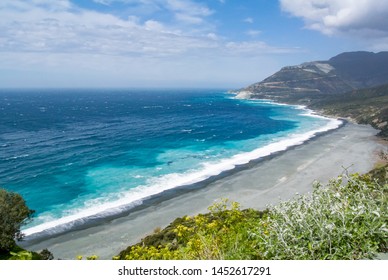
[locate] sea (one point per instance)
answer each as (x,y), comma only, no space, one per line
(78,154)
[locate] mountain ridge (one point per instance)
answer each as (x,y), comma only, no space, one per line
(349,85)
(340,74)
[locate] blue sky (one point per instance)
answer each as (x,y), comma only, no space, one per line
(177,43)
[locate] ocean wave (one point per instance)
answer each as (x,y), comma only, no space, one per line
(104,207)
(17,157)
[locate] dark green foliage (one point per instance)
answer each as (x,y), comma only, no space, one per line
(46,255)
(380,174)
(13,214)
(18,253)
(366,106)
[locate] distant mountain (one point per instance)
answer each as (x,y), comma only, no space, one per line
(362,69)
(352,84)
(310,80)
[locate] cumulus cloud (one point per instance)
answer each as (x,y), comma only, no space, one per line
(66,29)
(363,18)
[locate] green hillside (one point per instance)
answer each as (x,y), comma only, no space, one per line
(366,106)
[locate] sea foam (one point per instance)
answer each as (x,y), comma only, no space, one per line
(100,208)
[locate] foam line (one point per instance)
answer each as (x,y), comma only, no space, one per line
(135,197)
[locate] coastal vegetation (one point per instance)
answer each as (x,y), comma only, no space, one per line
(365,106)
(15,213)
(346,219)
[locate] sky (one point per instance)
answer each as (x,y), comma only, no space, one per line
(177,43)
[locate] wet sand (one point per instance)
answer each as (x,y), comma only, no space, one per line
(351,148)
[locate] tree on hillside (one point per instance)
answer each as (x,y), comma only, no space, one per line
(13,214)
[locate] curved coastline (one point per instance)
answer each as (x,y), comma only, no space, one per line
(350,148)
(223,169)
(57,238)
(186,182)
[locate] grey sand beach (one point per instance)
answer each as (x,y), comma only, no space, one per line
(351,148)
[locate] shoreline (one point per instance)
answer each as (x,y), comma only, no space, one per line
(256,185)
(193,180)
(167,194)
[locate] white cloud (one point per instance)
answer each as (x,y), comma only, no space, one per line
(154,25)
(248,20)
(103,2)
(67,30)
(212,36)
(255,48)
(25,5)
(253,32)
(189,19)
(364,18)
(189,7)
(188,11)
(57,43)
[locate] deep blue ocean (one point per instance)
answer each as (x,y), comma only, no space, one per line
(73,154)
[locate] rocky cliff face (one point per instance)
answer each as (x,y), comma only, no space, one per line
(308,81)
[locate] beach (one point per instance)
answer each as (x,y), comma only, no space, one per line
(351,148)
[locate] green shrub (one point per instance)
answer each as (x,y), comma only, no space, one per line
(223,234)
(218,234)
(344,220)
(22,255)
(13,214)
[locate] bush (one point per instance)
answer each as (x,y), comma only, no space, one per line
(13,214)
(224,233)
(218,234)
(344,220)
(45,254)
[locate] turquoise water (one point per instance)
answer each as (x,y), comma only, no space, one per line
(77,154)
